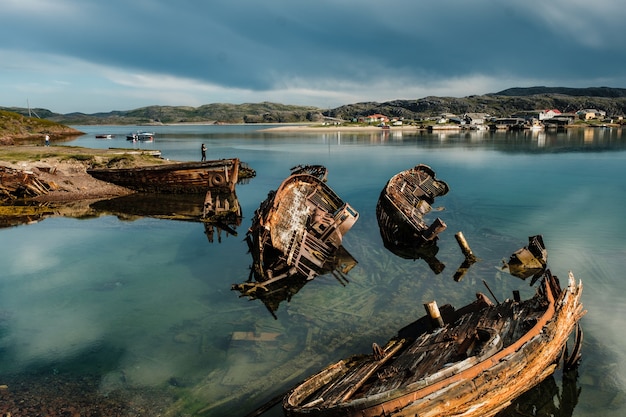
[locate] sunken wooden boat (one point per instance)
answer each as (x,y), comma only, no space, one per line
(473,362)
(402,205)
(299,227)
(174,178)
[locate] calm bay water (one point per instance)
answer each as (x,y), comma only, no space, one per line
(144,305)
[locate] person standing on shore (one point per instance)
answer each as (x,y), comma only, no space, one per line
(203,149)
(47,140)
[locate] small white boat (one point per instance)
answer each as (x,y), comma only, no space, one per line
(140,136)
(105,136)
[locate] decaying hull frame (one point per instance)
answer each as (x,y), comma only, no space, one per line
(298,228)
(402,205)
(178,178)
(480,359)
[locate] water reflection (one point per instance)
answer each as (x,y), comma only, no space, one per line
(272,293)
(218,209)
(172,318)
(546,399)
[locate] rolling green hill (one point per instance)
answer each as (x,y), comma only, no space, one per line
(14,126)
(501,104)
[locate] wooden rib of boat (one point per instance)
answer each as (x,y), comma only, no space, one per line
(175,178)
(402,205)
(479,359)
(299,227)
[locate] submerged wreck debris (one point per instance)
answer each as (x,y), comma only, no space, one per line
(473,361)
(298,231)
(528,261)
(15,183)
(400,211)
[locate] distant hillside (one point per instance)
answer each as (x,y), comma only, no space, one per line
(210,113)
(501,104)
(15,126)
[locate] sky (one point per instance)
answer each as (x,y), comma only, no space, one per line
(99,56)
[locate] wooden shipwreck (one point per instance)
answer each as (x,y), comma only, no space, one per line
(176,178)
(473,361)
(297,232)
(402,205)
(19,184)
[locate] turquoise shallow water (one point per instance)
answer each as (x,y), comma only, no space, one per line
(143,304)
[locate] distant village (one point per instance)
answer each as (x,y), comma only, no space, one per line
(534,120)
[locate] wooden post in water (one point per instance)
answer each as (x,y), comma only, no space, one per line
(433,312)
(467,251)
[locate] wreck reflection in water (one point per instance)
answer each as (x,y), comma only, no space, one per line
(546,400)
(218,209)
(272,293)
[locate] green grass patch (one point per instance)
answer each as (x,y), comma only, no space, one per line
(77,157)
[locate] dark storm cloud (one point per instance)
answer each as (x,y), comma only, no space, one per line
(264,46)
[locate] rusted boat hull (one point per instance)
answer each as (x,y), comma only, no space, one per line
(516,345)
(299,228)
(179,178)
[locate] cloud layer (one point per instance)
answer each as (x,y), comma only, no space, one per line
(74,55)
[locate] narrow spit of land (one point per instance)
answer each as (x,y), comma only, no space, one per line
(64,168)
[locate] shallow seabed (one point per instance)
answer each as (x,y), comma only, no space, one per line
(141,308)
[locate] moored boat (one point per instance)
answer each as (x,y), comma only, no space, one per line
(183,177)
(105,136)
(140,135)
(473,361)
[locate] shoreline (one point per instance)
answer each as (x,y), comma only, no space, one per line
(340,128)
(63,169)
(310,128)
